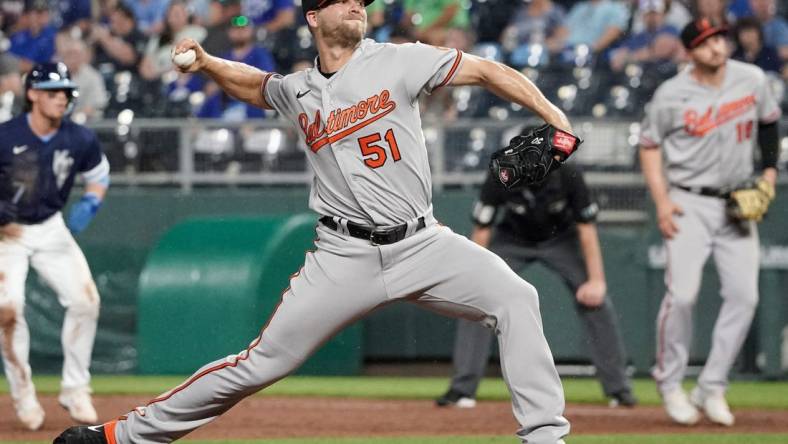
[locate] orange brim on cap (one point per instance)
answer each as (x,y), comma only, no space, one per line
(706,34)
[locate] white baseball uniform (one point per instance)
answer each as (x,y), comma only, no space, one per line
(707,135)
(39,173)
(363,131)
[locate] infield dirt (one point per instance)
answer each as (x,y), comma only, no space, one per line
(283,417)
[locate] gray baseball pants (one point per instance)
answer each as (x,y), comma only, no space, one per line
(343,280)
(561,254)
(705,229)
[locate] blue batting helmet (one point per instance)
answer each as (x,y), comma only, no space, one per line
(51,76)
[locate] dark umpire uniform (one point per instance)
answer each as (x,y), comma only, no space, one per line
(542,223)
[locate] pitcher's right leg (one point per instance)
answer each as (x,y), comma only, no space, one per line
(331,291)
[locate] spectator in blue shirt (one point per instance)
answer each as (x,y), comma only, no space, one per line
(657,43)
(739,8)
(775,28)
(220,105)
(539,22)
(36,43)
(596,24)
(677,14)
(73,13)
(750,46)
(271,15)
(150,15)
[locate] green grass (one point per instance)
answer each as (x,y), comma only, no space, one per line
(742,394)
(587,439)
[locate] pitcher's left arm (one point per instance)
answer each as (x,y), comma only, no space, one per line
(510,85)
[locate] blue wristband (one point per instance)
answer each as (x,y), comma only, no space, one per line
(83,212)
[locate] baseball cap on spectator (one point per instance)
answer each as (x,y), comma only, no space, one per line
(698,31)
(313,5)
(37,5)
(651,5)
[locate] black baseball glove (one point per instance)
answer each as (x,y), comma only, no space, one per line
(530,157)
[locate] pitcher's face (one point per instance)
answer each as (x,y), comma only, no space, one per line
(343,21)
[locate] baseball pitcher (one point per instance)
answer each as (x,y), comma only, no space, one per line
(41,153)
(357,114)
(701,127)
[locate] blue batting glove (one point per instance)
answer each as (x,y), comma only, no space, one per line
(83,212)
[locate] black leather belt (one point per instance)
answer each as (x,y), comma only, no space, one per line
(377,237)
(705,191)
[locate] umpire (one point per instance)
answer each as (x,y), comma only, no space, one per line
(552,223)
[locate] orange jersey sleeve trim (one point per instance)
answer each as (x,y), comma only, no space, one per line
(452,70)
(771,118)
(262,90)
(645,142)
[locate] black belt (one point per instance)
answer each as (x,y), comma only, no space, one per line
(377,237)
(705,191)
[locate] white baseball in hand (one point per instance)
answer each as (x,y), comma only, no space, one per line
(184,59)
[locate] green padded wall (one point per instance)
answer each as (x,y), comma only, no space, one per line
(210,284)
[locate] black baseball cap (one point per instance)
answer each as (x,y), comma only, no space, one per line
(37,5)
(698,31)
(311,5)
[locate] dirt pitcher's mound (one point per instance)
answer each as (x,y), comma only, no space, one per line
(273,417)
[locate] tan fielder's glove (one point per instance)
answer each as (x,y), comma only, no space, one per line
(751,200)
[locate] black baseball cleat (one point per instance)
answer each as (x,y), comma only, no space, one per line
(456,399)
(624,398)
(82,435)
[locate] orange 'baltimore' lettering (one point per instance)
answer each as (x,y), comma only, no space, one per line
(345,121)
(700,125)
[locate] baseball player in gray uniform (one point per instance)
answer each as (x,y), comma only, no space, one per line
(701,125)
(357,114)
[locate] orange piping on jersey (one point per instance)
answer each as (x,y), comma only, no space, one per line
(772,117)
(699,126)
(451,71)
(663,313)
(262,89)
(645,142)
(366,111)
(109,432)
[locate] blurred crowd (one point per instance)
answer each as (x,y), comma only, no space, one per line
(592,57)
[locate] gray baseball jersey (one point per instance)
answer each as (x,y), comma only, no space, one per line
(364,129)
(363,132)
(707,134)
